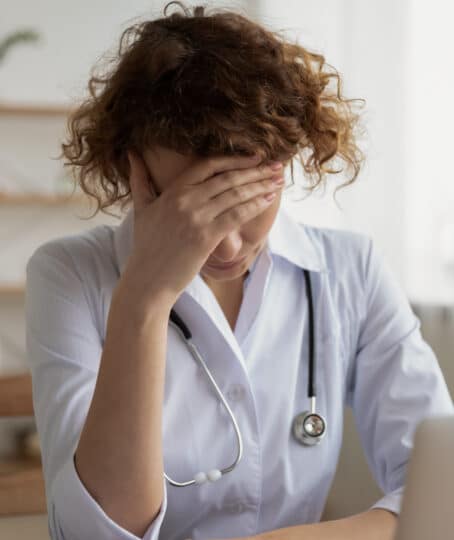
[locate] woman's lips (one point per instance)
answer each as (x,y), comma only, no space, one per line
(226,266)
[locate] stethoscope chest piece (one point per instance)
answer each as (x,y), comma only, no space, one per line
(309,428)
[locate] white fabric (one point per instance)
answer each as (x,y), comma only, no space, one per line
(370,356)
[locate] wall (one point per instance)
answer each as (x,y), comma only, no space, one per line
(365,42)
(75,36)
(429,189)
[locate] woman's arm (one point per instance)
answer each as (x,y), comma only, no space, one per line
(119,456)
(375,524)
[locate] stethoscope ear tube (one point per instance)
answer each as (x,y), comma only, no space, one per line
(311,392)
(176,319)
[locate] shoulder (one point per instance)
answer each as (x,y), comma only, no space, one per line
(88,254)
(343,252)
(79,267)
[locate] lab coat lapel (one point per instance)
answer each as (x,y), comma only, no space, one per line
(197,304)
(198,307)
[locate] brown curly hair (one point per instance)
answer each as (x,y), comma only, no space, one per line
(204,85)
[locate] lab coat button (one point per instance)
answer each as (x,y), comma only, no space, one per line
(235,392)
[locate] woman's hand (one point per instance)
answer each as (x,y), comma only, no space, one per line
(175,233)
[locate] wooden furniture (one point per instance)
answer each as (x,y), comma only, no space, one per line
(37,112)
(23,512)
(19,527)
(16,395)
(33,110)
(21,478)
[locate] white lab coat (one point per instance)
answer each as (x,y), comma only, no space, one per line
(370,356)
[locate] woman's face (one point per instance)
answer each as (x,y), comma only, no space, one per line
(245,241)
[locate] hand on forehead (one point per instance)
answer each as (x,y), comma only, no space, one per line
(164,165)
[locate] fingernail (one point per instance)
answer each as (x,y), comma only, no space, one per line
(275,165)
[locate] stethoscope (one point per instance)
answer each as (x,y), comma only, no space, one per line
(308,427)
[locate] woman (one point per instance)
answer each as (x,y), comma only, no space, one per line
(186,126)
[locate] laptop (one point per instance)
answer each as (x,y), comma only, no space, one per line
(427,511)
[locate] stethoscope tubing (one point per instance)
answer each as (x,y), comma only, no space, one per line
(174,317)
(311,389)
(303,433)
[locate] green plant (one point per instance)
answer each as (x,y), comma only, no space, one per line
(19,36)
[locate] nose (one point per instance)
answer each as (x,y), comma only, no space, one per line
(228,249)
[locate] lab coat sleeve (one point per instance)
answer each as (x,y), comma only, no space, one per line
(396,379)
(63,352)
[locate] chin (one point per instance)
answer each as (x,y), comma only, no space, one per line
(228,274)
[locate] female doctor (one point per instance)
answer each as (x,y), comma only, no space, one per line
(190,367)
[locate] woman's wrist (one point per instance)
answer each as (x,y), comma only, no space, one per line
(131,302)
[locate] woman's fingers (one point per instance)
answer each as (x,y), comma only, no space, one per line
(141,189)
(208,167)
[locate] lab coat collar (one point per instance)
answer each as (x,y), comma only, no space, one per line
(198,304)
(290,239)
(287,238)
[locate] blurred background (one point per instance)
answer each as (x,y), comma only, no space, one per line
(395,55)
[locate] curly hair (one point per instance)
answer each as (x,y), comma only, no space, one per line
(205,85)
